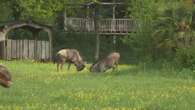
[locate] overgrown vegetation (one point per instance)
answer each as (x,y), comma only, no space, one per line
(165,31)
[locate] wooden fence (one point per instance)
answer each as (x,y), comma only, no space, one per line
(27,49)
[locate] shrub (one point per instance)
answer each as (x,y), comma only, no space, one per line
(185,57)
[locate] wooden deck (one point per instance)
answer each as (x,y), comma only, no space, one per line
(104,26)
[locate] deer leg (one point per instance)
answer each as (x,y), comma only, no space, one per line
(113,68)
(61,66)
(116,65)
(58,67)
(69,64)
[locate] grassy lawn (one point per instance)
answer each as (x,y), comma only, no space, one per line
(38,86)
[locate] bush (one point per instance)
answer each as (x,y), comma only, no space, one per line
(185,57)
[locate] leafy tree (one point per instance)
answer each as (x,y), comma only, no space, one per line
(164,30)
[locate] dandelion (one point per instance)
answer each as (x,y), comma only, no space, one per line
(193,89)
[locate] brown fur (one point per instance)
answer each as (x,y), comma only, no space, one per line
(5,77)
(111,61)
(70,56)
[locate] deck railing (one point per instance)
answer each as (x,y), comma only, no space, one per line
(79,24)
(116,26)
(107,26)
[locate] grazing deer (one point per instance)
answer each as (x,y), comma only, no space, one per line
(111,61)
(5,77)
(70,56)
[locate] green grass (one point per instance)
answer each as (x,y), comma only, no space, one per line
(39,87)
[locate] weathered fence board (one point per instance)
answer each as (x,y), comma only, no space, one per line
(47,50)
(8,50)
(26,49)
(12,49)
(31,46)
(1,49)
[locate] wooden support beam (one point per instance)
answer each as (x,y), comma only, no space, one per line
(114,43)
(114,22)
(97,52)
(65,20)
(96,25)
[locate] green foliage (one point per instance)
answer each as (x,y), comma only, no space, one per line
(38,10)
(164,30)
(5,11)
(185,57)
(143,12)
(41,9)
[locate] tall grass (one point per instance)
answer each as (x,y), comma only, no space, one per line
(38,86)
